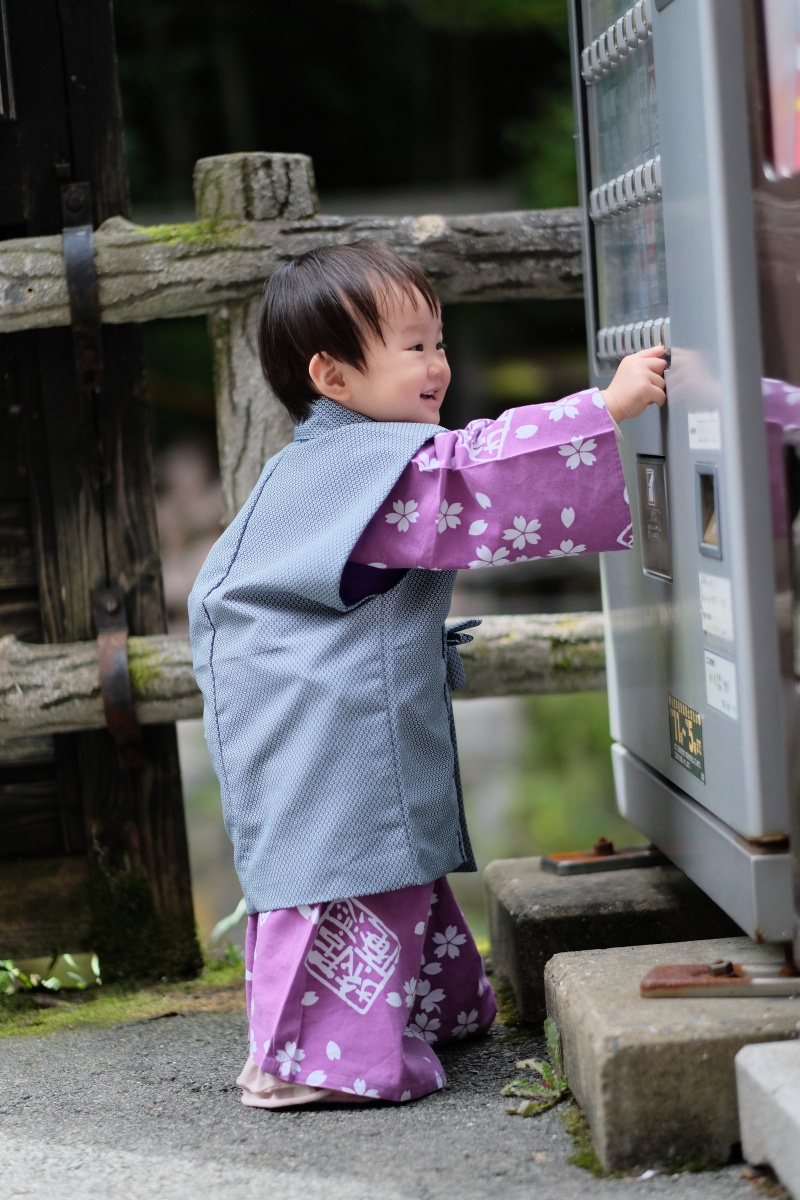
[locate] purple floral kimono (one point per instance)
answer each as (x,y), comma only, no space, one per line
(348,1001)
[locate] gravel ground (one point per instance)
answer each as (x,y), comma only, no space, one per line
(151,1109)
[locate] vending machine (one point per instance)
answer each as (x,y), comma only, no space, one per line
(689,160)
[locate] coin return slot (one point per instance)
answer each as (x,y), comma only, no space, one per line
(708,520)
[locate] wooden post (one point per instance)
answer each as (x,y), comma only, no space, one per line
(251,424)
(84,517)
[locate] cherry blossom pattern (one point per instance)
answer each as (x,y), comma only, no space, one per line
(404,515)
(429,998)
(578,451)
(485,557)
(466,1023)
(448,942)
(523,533)
(568,407)
(410,989)
(567,550)
(316,1079)
(427,462)
(423,1027)
(360,1088)
(447,516)
(290,1058)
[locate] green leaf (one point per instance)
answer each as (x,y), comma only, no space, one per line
(553,1038)
(527,1088)
(228,922)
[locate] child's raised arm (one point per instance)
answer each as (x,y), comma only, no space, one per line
(638,382)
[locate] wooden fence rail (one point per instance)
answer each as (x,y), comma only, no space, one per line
(254,212)
(48,689)
(188,270)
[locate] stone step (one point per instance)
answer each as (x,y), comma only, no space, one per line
(656,1078)
(768,1091)
(534,914)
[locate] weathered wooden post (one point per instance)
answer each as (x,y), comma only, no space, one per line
(93,852)
(251,424)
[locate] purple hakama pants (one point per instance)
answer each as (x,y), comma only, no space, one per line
(353,997)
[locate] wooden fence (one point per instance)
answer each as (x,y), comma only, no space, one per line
(255,211)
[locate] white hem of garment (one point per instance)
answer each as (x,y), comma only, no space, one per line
(261,1090)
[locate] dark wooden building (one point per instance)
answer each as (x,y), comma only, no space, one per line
(93,852)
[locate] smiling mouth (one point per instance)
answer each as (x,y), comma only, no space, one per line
(428,395)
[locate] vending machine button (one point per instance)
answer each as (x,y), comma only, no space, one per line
(602,348)
(629,189)
(618,185)
(638,336)
(657,173)
(618,35)
(586,65)
(594,207)
(640,182)
(619,343)
(647,335)
(647,14)
(629,31)
(602,200)
(666,336)
(641,21)
(602,52)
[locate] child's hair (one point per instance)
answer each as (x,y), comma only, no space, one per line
(329,299)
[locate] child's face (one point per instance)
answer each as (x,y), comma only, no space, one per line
(406,375)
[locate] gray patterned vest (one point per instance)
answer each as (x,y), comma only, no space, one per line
(330,727)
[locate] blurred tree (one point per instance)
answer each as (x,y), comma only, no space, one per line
(379,92)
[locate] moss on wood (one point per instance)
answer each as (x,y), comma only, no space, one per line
(145,665)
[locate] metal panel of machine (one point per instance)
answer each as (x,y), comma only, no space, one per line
(679,183)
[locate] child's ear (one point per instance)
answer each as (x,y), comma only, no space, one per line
(327,377)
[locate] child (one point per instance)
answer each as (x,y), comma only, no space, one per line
(319,643)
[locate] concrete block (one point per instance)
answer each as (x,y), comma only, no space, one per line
(656,1078)
(768,1089)
(534,914)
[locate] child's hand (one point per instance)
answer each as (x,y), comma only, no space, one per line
(639,381)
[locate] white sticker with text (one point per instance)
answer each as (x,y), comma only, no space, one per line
(704,433)
(721,684)
(716,606)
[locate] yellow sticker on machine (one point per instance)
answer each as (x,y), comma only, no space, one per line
(686,737)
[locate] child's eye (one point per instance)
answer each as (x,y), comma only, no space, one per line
(441,345)
(419,346)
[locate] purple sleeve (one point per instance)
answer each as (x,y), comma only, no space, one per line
(543,481)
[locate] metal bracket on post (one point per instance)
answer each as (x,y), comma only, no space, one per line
(115,680)
(82,287)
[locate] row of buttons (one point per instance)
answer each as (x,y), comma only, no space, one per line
(615,342)
(626,191)
(618,40)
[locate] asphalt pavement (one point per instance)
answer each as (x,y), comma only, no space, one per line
(150,1109)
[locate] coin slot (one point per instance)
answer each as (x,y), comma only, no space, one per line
(709,534)
(651,486)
